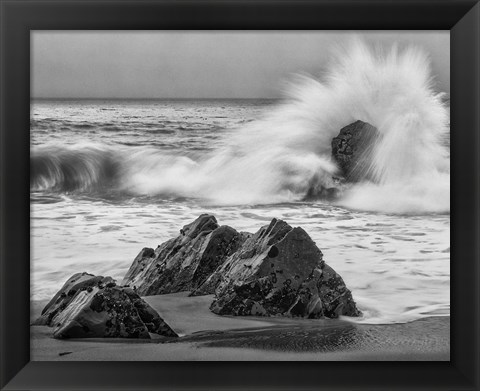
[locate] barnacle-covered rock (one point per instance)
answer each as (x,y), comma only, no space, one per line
(77,283)
(91,306)
(185,262)
(280,271)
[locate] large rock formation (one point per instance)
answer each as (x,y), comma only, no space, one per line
(185,262)
(352,150)
(89,306)
(279,271)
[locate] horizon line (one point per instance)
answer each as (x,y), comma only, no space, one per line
(151,98)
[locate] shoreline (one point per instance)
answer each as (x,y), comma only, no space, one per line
(206,336)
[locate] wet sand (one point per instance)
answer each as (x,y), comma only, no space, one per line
(206,336)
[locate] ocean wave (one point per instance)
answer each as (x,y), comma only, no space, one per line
(100,168)
(286,155)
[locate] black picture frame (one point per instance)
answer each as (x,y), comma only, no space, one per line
(19,17)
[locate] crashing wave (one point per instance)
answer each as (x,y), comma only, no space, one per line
(286,155)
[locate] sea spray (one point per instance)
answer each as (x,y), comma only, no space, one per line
(285,154)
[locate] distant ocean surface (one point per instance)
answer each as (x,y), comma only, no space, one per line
(110,177)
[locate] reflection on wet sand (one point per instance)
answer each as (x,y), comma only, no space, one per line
(330,336)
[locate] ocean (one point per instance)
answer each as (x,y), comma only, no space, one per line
(109,177)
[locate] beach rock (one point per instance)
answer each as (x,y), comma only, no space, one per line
(352,150)
(280,271)
(91,306)
(78,282)
(185,262)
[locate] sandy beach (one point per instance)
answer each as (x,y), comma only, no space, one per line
(206,336)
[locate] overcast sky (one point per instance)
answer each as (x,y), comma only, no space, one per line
(172,64)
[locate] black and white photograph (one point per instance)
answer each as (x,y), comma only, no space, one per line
(240,195)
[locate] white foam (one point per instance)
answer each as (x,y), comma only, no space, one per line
(280,157)
(283,155)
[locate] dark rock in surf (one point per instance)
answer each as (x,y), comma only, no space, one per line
(185,262)
(277,271)
(280,271)
(77,283)
(89,306)
(352,150)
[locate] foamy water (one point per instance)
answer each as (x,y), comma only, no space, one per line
(396,266)
(111,177)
